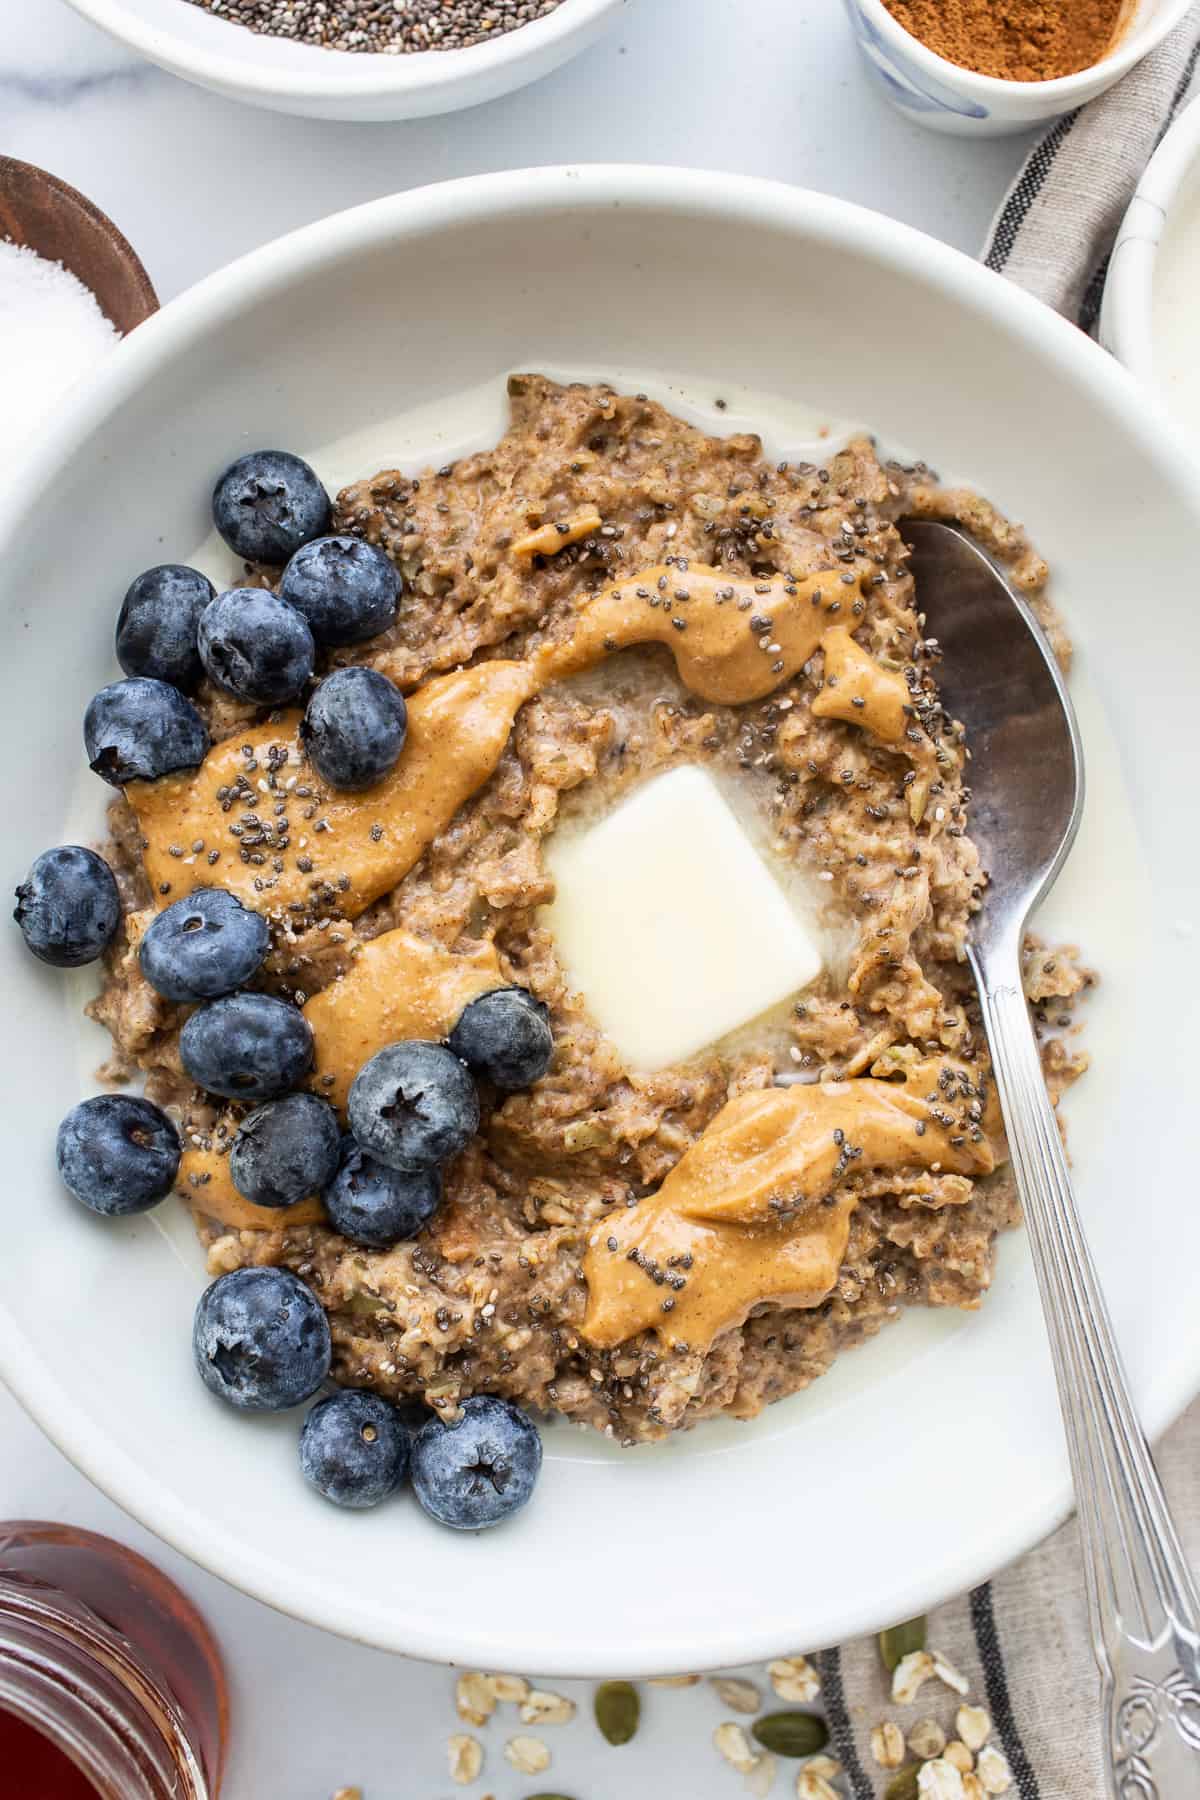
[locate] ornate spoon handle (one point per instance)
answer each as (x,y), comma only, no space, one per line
(1142,1597)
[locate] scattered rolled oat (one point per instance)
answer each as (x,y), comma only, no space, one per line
(794,1678)
(466,1758)
(473,1698)
(814,1781)
(761,1778)
(926,1739)
(733,1744)
(742,1696)
(991,1766)
(948,1674)
(973,1788)
(349,1794)
(887,1745)
(911,1674)
(541,1708)
(508,1687)
(939,1780)
(973,1726)
(673,1681)
(528,1755)
(958,1754)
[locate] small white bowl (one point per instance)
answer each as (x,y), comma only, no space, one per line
(1127,314)
(941,95)
(340,84)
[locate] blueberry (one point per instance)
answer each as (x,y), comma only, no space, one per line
(68,906)
(247,1047)
(156,628)
(413,1106)
(267,504)
(347,590)
(354,1448)
(285,1150)
(203,946)
(505,1035)
(261,1339)
(254,645)
(354,728)
(118,1154)
(139,729)
(377,1206)
(478,1471)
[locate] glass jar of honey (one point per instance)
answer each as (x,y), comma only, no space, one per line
(110,1681)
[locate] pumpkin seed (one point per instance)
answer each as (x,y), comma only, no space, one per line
(618,1710)
(791,1733)
(903,1785)
(899,1641)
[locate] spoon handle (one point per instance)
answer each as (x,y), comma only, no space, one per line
(1142,1597)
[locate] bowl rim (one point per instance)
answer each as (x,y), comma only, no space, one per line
(358,75)
(1061,93)
(707,197)
(1127,320)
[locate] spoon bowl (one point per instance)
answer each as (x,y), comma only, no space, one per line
(58,222)
(1026,775)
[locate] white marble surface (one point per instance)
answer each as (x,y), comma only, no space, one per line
(770,87)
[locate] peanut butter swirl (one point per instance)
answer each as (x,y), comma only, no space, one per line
(399,986)
(254,819)
(732,641)
(758,1209)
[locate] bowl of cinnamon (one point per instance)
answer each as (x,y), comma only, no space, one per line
(987,67)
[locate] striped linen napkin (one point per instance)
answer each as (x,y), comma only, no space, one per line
(1056,225)
(1021,1641)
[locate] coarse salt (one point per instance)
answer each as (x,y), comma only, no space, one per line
(52,332)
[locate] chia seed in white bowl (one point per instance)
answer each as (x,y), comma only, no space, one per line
(345,25)
(389,75)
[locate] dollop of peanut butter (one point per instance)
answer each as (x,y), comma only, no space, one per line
(859,690)
(325,849)
(207,1186)
(399,986)
(758,1209)
(733,640)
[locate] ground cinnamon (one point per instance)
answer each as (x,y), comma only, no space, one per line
(1018,40)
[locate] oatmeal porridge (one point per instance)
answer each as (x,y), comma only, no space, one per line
(606,596)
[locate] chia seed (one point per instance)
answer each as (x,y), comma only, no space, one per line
(379,25)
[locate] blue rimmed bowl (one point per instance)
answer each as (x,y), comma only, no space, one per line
(941,95)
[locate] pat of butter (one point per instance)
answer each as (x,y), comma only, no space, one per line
(669,923)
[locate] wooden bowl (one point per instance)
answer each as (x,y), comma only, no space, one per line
(39,210)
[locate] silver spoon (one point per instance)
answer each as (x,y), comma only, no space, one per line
(998,675)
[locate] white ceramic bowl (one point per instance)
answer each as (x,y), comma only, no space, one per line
(934,1454)
(1127,312)
(945,97)
(340,84)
